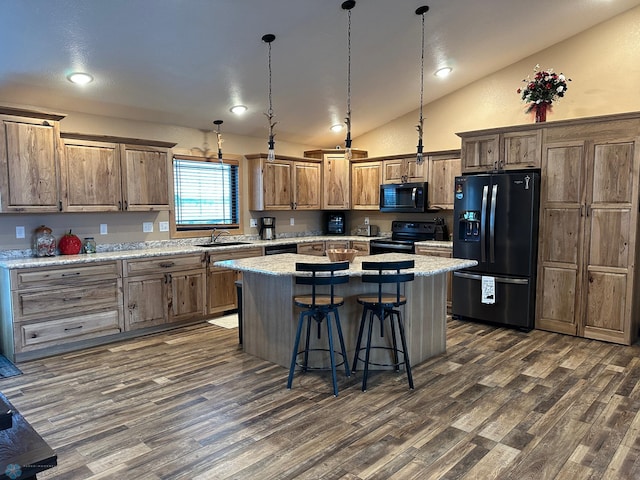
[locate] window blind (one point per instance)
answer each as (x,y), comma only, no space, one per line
(206,193)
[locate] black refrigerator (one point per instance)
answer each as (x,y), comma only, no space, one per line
(495,221)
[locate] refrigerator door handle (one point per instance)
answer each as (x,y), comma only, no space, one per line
(473,276)
(483,234)
(492,225)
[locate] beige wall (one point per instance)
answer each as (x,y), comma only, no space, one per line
(603,63)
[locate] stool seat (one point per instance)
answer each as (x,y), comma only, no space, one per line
(382,306)
(320,300)
(323,309)
(386,300)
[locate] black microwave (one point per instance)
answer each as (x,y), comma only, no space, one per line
(403,197)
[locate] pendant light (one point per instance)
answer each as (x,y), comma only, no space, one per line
(419,157)
(219,140)
(348,5)
(271,154)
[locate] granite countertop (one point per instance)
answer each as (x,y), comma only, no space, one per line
(174,247)
(284,264)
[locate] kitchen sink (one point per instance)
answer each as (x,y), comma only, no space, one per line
(221,244)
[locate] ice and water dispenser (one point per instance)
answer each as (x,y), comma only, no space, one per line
(469,227)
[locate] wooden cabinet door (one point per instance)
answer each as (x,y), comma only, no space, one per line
(480,153)
(522,149)
(221,290)
(561,238)
(611,212)
(91,179)
(415,172)
(366,178)
(277,192)
(307,186)
(393,170)
(29,165)
(146,301)
(443,172)
(336,173)
(145,177)
(187,295)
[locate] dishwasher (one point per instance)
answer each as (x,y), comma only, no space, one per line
(281,248)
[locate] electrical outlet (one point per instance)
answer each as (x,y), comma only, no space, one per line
(20,232)
(253,222)
(366,220)
(292,221)
(103,229)
(163,226)
(147,227)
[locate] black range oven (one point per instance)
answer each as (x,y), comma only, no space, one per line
(404,235)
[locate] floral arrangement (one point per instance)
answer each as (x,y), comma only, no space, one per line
(544,87)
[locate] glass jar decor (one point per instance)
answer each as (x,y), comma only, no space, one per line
(89,245)
(44,243)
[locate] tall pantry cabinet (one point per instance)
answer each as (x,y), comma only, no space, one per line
(589,228)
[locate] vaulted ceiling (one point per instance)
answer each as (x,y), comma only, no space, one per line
(186,62)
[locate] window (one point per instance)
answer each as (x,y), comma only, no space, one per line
(206,193)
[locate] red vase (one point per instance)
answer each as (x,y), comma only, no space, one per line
(541,111)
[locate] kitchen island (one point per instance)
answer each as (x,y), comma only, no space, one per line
(270,317)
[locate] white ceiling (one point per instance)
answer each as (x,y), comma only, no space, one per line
(186,62)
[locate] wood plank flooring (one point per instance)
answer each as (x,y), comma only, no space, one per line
(189,404)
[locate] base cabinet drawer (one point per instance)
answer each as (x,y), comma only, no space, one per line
(32,304)
(67,329)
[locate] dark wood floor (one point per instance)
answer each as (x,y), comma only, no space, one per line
(188,404)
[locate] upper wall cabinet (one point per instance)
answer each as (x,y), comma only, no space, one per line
(444,167)
(336,180)
(505,150)
(365,185)
(287,183)
(102,174)
(404,169)
(30,150)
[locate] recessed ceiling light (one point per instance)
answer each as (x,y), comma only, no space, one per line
(238,109)
(443,72)
(80,78)
(337,127)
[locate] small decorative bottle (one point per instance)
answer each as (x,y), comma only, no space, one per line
(89,245)
(44,243)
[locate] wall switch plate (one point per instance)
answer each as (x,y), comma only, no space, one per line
(366,220)
(163,226)
(19,232)
(103,229)
(253,222)
(147,227)
(292,221)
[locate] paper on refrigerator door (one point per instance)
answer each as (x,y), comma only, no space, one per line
(488,290)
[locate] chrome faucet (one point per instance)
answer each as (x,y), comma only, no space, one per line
(215,234)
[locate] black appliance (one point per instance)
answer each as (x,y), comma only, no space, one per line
(495,221)
(335,223)
(281,248)
(403,236)
(403,197)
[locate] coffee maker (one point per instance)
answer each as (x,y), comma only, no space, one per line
(267,228)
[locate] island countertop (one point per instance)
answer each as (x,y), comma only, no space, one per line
(285,264)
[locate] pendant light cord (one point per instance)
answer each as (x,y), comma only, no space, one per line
(422,74)
(420,127)
(349,71)
(270,111)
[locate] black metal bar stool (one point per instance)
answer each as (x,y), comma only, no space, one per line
(381,306)
(319,307)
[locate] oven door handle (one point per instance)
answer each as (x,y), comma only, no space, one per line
(391,246)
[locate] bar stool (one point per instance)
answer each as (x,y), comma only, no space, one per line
(319,307)
(382,305)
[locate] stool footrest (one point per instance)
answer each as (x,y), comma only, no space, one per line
(396,364)
(328,367)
